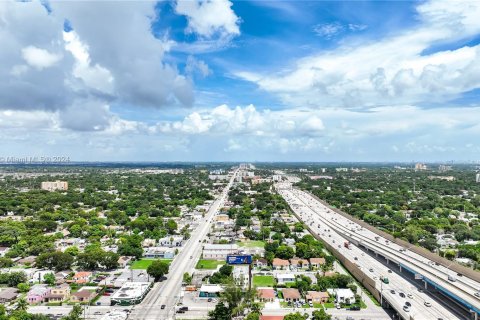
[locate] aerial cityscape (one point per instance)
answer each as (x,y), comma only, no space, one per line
(230,160)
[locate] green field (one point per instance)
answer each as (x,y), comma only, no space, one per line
(144,263)
(209,264)
(263,281)
(252,244)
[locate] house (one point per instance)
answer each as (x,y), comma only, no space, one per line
(59,293)
(149,243)
(8,294)
(291,294)
(317,296)
(209,291)
(316,263)
(280,264)
(159,253)
(83,296)
(283,278)
(219,251)
(260,263)
(123,261)
(344,296)
(266,317)
(60,277)
(299,263)
(37,293)
(266,294)
(82,277)
(30,261)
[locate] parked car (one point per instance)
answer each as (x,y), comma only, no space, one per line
(162,306)
(406,308)
(427,304)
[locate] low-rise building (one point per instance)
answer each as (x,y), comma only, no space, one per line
(266,294)
(344,296)
(283,278)
(83,296)
(8,295)
(209,291)
(37,293)
(82,277)
(316,263)
(317,296)
(219,251)
(54,185)
(260,263)
(291,294)
(59,293)
(241,275)
(131,293)
(159,253)
(171,241)
(299,263)
(280,264)
(123,261)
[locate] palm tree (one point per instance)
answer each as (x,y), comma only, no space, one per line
(22,305)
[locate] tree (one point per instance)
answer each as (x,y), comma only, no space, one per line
(110,260)
(73,251)
(23,287)
(158,269)
(22,305)
(284,252)
(187,278)
(294,316)
(221,312)
(6,262)
(49,279)
(57,261)
(320,314)
(171,226)
(253,316)
(75,314)
(131,246)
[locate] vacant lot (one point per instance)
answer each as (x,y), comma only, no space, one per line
(209,264)
(144,263)
(263,281)
(252,244)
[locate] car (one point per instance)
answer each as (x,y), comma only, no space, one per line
(209,300)
(477,294)
(459,275)
(355,308)
(338,306)
(427,304)
(389,271)
(408,303)
(451,278)
(371,269)
(410,295)
(180,311)
(392,291)
(401,294)
(96,312)
(162,306)
(355,258)
(406,308)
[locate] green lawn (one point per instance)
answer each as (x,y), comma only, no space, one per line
(144,263)
(252,244)
(209,264)
(263,281)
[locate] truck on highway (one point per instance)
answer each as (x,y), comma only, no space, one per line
(385,280)
(346,244)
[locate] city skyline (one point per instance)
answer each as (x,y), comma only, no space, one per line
(240,81)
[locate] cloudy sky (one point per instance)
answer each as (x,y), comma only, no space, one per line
(190,80)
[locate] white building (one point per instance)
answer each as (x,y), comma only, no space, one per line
(219,251)
(283,278)
(171,241)
(54,185)
(477,178)
(344,296)
(131,293)
(241,275)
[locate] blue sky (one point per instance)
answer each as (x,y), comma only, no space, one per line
(246,80)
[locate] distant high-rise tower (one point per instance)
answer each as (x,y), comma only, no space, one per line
(477,179)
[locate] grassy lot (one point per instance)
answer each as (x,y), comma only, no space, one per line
(263,281)
(209,264)
(252,244)
(144,263)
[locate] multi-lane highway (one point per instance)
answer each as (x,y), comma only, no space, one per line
(335,229)
(160,302)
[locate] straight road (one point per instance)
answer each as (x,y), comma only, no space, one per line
(167,292)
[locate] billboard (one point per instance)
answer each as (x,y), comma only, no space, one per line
(236,259)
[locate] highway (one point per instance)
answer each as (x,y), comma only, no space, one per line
(336,229)
(167,293)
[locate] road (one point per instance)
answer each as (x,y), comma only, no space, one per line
(167,292)
(336,229)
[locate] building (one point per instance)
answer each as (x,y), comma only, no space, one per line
(82,277)
(316,263)
(59,293)
(420,166)
(171,241)
(283,278)
(260,263)
(317,296)
(159,253)
(209,291)
(55,185)
(291,294)
(37,293)
(268,317)
(84,296)
(477,178)
(241,275)
(123,261)
(280,264)
(219,251)
(344,296)
(8,295)
(266,294)
(131,293)
(299,263)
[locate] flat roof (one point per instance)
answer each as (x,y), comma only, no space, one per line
(131,290)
